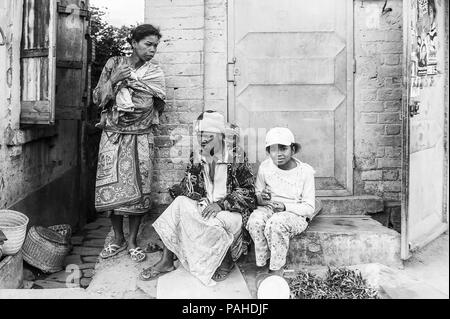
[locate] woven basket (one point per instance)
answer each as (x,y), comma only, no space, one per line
(14,226)
(65,231)
(45,249)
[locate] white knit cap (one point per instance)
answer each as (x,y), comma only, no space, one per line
(212,122)
(281,136)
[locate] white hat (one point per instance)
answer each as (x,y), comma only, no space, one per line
(281,136)
(274,287)
(211,122)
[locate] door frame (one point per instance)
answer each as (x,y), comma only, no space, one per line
(351,70)
(405,249)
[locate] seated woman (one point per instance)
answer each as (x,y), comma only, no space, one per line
(204,226)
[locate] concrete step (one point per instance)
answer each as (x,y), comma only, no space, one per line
(345,241)
(351,205)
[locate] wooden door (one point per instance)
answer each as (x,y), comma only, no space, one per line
(71,53)
(291,65)
(73,86)
(424,109)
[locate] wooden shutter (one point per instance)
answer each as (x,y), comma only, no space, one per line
(71,63)
(38,62)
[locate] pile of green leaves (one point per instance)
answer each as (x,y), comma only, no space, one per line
(340,283)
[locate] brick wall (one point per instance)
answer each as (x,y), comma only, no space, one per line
(378,98)
(194,55)
(181,55)
(216,56)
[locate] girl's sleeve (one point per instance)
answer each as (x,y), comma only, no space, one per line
(307,206)
(104,91)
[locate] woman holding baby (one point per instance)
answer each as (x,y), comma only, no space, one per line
(131,93)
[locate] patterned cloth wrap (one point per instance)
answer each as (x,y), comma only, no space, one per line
(240,197)
(126,148)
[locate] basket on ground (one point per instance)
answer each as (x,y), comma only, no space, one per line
(14,225)
(46,248)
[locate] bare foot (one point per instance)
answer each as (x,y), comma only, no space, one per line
(119,241)
(163,266)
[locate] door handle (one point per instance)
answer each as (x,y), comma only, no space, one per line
(231,72)
(414,108)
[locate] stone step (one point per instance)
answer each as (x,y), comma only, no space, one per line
(345,241)
(351,205)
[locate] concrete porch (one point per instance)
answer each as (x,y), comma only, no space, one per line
(332,240)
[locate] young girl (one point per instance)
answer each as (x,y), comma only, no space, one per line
(286,200)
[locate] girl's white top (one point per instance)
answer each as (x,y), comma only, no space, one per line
(295,188)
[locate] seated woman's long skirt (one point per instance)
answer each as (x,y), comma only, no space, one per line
(199,244)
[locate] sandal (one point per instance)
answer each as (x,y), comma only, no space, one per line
(137,254)
(151,274)
(222,273)
(112,250)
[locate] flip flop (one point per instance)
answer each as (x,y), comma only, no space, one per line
(137,254)
(112,250)
(222,273)
(151,274)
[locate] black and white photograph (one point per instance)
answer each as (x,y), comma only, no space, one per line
(229,151)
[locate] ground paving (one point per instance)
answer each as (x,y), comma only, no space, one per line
(424,276)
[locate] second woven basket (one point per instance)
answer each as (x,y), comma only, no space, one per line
(45,248)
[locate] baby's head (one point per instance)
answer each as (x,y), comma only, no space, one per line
(281,145)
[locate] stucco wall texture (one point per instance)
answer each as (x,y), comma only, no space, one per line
(193,54)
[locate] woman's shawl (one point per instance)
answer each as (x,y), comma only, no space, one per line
(149,93)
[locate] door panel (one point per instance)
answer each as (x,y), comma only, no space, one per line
(425,110)
(71,56)
(294,68)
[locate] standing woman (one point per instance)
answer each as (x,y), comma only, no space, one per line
(124,171)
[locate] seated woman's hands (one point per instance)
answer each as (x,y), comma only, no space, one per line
(211,211)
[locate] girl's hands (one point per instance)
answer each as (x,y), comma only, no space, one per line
(264,197)
(266,193)
(123,72)
(277,207)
